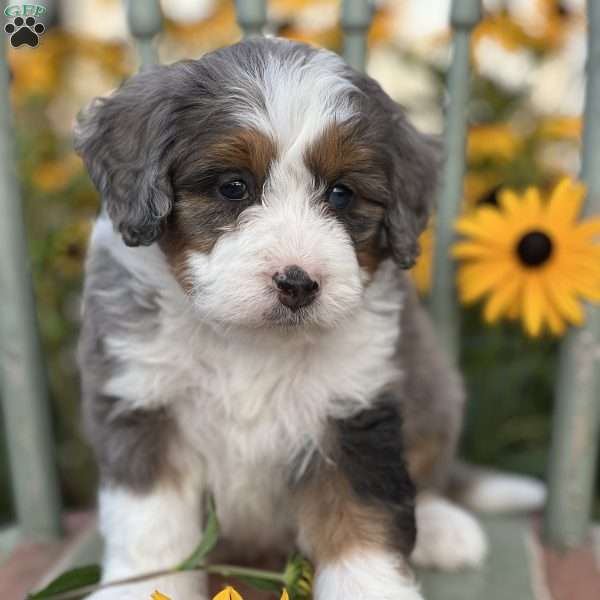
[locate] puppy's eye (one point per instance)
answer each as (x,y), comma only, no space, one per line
(234,190)
(339,196)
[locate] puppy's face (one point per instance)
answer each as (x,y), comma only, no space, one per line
(274,178)
(269,230)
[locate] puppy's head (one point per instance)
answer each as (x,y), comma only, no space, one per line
(274,178)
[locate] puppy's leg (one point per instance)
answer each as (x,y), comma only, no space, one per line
(150,497)
(146,532)
(448,537)
(356,512)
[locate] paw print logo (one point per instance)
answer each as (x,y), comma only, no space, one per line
(24,31)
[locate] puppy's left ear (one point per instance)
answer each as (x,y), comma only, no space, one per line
(415,161)
(125,140)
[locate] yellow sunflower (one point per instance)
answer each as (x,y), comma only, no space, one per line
(228,594)
(494,141)
(481,186)
(531,258)
(561,128)
(421,272)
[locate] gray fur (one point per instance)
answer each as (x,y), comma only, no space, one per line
(138,141)
(431,393)
(130,446)
(137,145)
(414,167)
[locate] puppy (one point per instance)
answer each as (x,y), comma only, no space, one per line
(249,332)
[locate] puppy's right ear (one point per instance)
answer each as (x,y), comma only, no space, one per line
(125,140)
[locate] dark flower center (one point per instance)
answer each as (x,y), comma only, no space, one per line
(534,249)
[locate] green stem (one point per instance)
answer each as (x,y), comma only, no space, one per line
(231,571)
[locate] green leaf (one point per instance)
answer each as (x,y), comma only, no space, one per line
(210,537)
(70,581)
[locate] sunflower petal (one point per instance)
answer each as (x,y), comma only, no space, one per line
(501,299)
(485,224)
(466,250)
(228,594)
(514,310)
(532,203)
(564,302)
(590,228)
(584,282)
(533,306)
(475,280)
(566,201)
(510,202)
(556,324)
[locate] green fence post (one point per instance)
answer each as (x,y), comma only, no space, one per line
(251,16)
(574,448)
(465,14)
(144,19)
(22,377)
(357,16)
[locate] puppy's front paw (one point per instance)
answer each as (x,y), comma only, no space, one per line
(448,537)
(366,575)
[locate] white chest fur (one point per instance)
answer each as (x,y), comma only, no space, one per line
(248,402)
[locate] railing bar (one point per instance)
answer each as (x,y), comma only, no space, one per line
(144,18)
(356,19)
(251,16)
(574,450)
(465,14)
(22,378)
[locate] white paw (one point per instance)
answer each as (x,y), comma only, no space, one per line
(448,538)
(366,575)
(496,492)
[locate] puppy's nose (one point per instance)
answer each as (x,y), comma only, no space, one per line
(296,289)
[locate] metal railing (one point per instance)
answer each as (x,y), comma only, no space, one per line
(465,14)
(22,374)
(23,391)
(574,452)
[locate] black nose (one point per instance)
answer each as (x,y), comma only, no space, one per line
(296,289)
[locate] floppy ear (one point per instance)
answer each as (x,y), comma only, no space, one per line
(414,160)
(417,159)
(125,140)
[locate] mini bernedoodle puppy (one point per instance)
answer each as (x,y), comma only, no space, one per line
(249,331)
